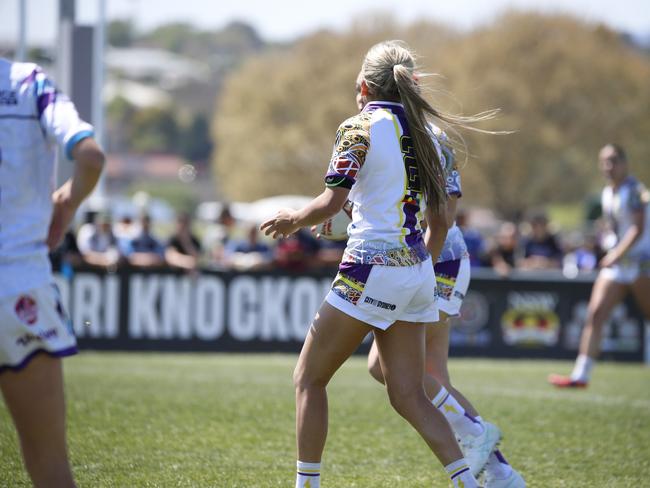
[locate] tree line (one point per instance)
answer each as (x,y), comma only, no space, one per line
(564,88)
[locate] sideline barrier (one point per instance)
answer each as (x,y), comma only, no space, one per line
(528,315)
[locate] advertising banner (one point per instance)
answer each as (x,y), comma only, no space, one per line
(524,316)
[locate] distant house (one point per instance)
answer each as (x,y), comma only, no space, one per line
(163,68)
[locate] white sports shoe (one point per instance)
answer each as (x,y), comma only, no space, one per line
(515,480)
(477,449)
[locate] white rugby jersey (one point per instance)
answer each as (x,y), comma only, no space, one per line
(454,246)
(34,118)
(374,157)
(618,208)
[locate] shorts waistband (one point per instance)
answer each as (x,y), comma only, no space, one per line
(401,256)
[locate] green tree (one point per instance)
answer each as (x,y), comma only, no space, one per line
(196,144)
(278,115)
(121,33)
(154,130)
(565,87)
(172,37)
(119,116)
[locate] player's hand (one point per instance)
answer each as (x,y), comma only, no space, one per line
(282,225)
(314,231)
(62,215)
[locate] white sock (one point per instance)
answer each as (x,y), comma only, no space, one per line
(582,369)
(497,466)
(461,422)
(307,475)
(460,474)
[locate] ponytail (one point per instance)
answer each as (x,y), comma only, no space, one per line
(389,71)
(427,158)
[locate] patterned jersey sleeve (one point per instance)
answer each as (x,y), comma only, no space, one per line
(350,148)
(452,175)
(58,115)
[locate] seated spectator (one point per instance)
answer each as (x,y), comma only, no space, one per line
(144,250)
(504,255)
(297,251)
(249,254)
(183,249)
(541,248)
(582,256)
(218,236)
(473,239)
(125,229)
(330,253)
(97,243)
(67,255)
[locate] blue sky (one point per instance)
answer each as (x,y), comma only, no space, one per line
(287,19)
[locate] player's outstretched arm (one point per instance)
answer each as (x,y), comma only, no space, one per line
(89,160)
(322,207)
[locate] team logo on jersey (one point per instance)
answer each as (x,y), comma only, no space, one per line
(26,309)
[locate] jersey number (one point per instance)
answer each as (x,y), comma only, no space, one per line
(410,164)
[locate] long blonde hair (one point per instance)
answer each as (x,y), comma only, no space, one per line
(389,70)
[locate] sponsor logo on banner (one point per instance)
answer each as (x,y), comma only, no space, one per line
(26,310)
(530,319)
(470,328)
(622,332)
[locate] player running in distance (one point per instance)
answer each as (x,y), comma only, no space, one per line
(34,331)
(478,439)
(625,267)
(386,164)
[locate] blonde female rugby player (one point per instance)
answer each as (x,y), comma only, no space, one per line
(625,267)
(478,439)
(34,332)
(385,163)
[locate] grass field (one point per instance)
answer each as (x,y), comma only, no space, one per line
(163,420)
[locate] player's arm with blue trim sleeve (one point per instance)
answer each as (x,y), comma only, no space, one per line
(89,160)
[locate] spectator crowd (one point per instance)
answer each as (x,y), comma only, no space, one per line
(229,244)
(226,244)
(531,245)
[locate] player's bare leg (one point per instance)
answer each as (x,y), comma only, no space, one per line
(465,425)
(641,290)
(35,399)
(401,352)
(332,338)
(437,358)
(605,295)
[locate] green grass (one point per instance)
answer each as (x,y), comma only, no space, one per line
(172,420)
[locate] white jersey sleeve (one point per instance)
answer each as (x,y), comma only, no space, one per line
(58,115)
(35,118)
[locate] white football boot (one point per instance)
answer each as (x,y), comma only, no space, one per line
(515,480)
(477,449)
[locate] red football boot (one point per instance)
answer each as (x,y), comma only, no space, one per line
(561,381)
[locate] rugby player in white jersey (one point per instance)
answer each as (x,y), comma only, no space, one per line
(478,439)
(626,266)
(386,164)
(35,119)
